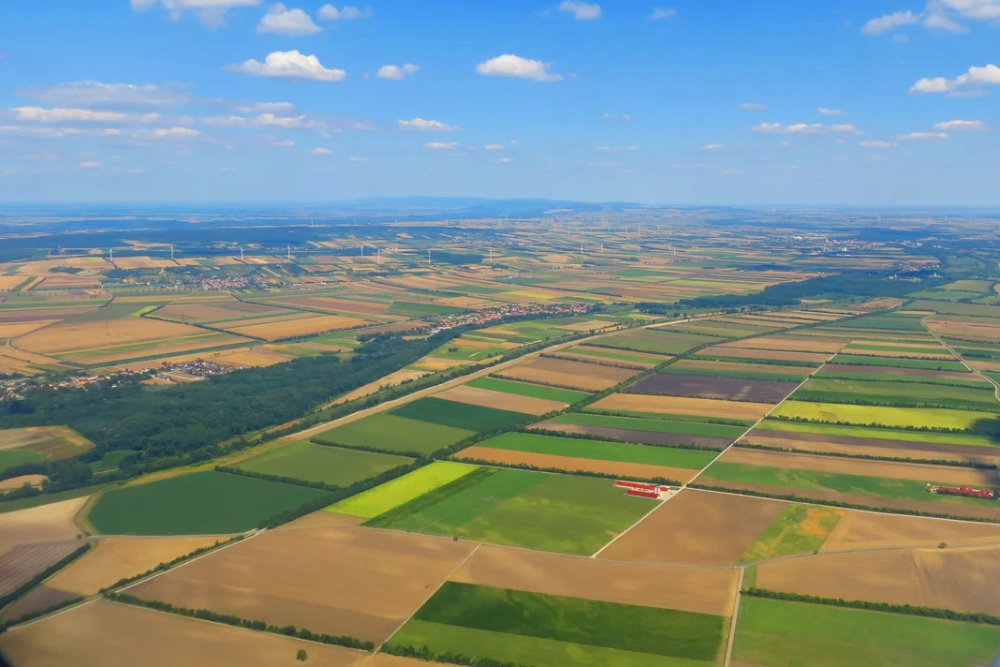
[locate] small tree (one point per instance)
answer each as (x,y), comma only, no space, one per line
(302,656)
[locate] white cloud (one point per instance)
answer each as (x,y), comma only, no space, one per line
(974,125)
(321,151)
(96,94)
(440,145)
(876,144)
(90,164)
(831,112)
(920,136)
(660,14)
(286,21)
(798,128)
(176,132)
(62,115)
(988,75)
(291,65)
(396,72)
(263,107)
(356,159)
(883,24)
(227,121)
(938,15)
(210,12)
(42,132)
(615,148)
(494,147)
(421,125)
(845,128)
(331,13)
(617,116)
(504,160)
(517,67)
(986,10)
(150,117)
(284,121)
(751,106)
(713,147)
(582,11)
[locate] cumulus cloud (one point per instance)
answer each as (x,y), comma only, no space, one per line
(59,115)
(397,72)
(349,13)
(582,11)
(803,128)
(713,147)
(290,65)
(504,160)
(101,95)
(660,14)
(752,106)
(259,107)
(227,121)
(966,125)
(210,12)
(421,125)
(90,164)
(440,145)
(937,15)
(517,67)
(989,75)
(831,112)
(921,136)
(876,144)
(617,116)
(883,24)
(176,132)
(284,21)
(494,147)
(321,151)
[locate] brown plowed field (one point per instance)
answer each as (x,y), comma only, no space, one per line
(913,471)
(864,530)
(902,354)
(732,389)
(706,365)
(678,405)
(342,581)
(572,464)
(20,564)
(116,558)
(106,634)
(905,372)
(740,353)
(500,400)
(817,442)
(640,437)
(573,374)
(697,528)
(788,345)
(708,591)
(964,580)
(41,524)
(39,599)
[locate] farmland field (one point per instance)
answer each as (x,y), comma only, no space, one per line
(773,633)
(392,433)
(910,394)
(524,389)
(965,439)
(570,374)
(676,405)
(39,443)
(732,389)
(862,415)
(488,398)
(203,503)
(321,463)
(799,529)
(450,414)
(401,490)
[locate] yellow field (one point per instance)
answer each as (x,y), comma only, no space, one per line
(15,329)
(677,405)
(884,416)
(10,282)
(302,326)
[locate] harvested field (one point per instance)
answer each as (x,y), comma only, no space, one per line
(68,338)
(15,329)
(959,579)
(502,401)
(573,374)
(343,581)
(38,599)
(900,449)
(788,345)
(640,437)
(709,591)
(870,530)
(46,523)
(842,466)
(20,564)
(620,468)
(697,528)
(299,326)
(732,389)
(18,482)
(115,558)
(674,405)
(106,634)
(740,353)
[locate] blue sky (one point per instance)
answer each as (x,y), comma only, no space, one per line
(878,102)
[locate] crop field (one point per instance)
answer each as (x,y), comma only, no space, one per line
(729,353)
(800,529)
(20,564)
(706,591)
(473,418)
(864,415)
(863,446)
(385,497)
(891,362)
(959,579)
(106,634)
(204,503)
(40,443)
(488,398)
(531,390)
(341,580)
(45,523)
(300,325)
(321,463)
(644,359)
(867,530)
(731,389)
(561,513)
(738,370)
(773,633)
(880,433)
(676,405)
(652,341)
(909,394)
(569,374)
(392,433)
(890,374)
(788,343)
(701,528)
(644,431)
(549,630)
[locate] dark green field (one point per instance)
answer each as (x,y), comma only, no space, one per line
(526,389)
(654,425)
(601,450)
(910,394)
(320,463)
(392,433)
(205,503)
(924,364)
(885,323)
(459,415)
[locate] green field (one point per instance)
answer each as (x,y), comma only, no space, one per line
(601,450)
(564,513)
(968,439)
(459,415)
(421,309)
(654,425)
(543,630)
(525,389)
(934,418)
(205,503)
(390,432)
(320,463)
(110,460)
(922,364)
(655,343)
(799,529)
(910,394)
(832,372)
(392,494)
(615,356)
(32,445)
(884,323)
(773,633)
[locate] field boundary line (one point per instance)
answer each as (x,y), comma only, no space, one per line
(81,603)
(420,606)
(996,386)
(736,615)
(644,517)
